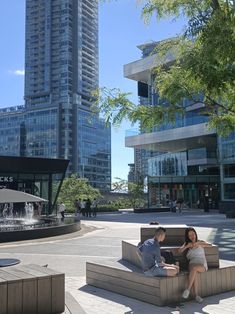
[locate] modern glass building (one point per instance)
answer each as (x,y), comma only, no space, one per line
(38,176)
(185,160)
(61,71)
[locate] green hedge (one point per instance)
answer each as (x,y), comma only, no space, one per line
(107,208)
(120,203)
(101,208)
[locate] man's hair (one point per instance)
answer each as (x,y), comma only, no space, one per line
(159,231)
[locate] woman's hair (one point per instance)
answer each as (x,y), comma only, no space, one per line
(187,230)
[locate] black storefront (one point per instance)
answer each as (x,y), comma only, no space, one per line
(38,176)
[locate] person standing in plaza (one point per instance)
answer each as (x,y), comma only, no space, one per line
(88,208)
(83,205)
(151,259)
(94,207)
(78,206)
(180,202)
(173,206)
(62,209)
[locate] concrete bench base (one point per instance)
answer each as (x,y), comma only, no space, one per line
(230,214)
(31,289)
(175,234)
(129,253)
(152,209)
(124,278)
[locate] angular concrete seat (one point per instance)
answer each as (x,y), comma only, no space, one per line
(126,279)
(31,289)
(130,254)
(175,234)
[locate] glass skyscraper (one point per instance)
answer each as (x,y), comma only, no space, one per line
(185,160)
(61,71)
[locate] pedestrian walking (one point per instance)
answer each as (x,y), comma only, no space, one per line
(78,206)
(173,206)
(88,208)
(62,210)
(180,202)
(83,205)
(94,207)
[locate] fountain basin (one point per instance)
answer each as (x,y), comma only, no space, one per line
(20,229)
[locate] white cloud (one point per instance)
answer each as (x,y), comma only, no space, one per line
(17,72)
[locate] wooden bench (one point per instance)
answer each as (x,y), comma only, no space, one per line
(126,279)
(175,234)
(31,289)
(129,253)
(175,237)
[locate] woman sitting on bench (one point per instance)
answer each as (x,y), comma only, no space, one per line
(197,260)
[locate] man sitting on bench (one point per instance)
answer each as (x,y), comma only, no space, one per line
(151,257)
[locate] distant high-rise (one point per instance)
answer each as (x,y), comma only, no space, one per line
(61,71)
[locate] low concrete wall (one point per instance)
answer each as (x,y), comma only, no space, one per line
(36,233)
(225,207)
(152,209)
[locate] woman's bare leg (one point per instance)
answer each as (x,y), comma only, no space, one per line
(194,269)
(195,280)
(195,286)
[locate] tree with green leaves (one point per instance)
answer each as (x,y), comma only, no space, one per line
(74,188)
(120,185)
(204,66)
(135,191)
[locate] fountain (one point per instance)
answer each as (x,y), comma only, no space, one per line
(29,211)
(14,219)
(22,221)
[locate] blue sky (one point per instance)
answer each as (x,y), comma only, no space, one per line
(121,29)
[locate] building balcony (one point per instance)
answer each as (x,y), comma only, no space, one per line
(140,70)
(175,140)
(202,161)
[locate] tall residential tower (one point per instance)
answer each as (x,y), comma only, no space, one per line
(61,71)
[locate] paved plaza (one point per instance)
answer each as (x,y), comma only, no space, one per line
(100,239)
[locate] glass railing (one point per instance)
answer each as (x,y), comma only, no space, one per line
(179,123)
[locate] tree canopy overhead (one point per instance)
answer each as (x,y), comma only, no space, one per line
(204,66)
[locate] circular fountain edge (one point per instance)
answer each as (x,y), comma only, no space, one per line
(41,232)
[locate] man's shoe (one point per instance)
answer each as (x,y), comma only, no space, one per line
(199,299)
(185,294)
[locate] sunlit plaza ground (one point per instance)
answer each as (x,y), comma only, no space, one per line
(100,239)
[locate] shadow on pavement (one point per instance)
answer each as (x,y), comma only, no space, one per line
(137,307)
(223,234)
(225,239)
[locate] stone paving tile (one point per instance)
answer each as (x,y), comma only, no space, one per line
(98,301)
(101,239)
